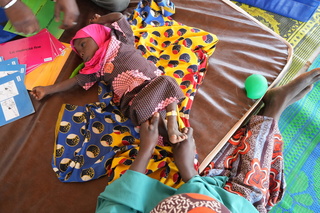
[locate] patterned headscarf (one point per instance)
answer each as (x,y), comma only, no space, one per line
(190,202)
(101,35)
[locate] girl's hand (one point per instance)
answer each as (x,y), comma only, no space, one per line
(106,20)
(95,19)
(39,92)
(42,91)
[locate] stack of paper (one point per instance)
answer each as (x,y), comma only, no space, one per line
(15,101)
(32,61)
(33,51)
(42,54)
(47,73)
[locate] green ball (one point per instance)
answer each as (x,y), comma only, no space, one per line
(256,86)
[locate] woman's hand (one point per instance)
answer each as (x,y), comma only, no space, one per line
(148,140)
(149,133)
(184,154)
(70,11)
(22,18)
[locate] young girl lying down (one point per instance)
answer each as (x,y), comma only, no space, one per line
(107,49)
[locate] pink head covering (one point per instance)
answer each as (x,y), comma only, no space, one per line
(101,35)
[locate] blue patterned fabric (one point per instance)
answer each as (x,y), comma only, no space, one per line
(301,10)
(4,35)
(90,152)
(152,16)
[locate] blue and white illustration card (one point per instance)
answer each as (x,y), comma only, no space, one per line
(15,102)
(9,69)
(11,61)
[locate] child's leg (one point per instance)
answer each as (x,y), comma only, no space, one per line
(279,98)
(163,130)
(175,135)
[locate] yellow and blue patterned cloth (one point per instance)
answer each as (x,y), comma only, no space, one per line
(96,140)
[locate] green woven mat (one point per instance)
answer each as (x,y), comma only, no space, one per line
(300,122)
(300,127)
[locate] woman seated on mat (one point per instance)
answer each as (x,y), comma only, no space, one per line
(108,50)
(136,192)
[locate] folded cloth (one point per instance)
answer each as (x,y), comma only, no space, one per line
(301,10)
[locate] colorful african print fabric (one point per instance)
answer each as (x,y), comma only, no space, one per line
(253,161)
(299,123)
(179,51)
(97,140)
(190,202)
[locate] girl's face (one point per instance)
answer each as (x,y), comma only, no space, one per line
(86,48)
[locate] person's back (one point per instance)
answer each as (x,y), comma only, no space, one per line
(113,5)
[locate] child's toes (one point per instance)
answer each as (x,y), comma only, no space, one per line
(174,139)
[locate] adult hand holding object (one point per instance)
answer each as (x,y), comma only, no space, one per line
(256,86)
(24,20)
(21,16)
(70,10)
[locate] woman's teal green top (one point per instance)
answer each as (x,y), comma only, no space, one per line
(136,192)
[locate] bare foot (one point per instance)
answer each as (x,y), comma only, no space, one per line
(165,132)
(279,98)
(184,154)
(175,136)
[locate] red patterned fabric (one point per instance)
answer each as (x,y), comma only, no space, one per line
(253,161)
